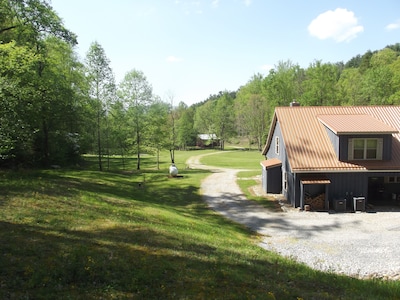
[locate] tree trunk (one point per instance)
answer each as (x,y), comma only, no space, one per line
(138,148)
(99,141)
(45,143)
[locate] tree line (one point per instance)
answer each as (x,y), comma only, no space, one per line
(54,107)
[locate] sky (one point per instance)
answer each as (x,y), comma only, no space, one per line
(191,49)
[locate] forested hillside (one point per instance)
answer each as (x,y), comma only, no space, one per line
(55,107)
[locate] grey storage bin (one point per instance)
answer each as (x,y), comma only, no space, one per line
(339,205)
(359,203)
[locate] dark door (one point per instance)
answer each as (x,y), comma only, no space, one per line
(376,190)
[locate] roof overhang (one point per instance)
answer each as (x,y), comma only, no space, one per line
(315,181)
(271,163)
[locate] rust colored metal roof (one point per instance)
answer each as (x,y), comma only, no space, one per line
(309,148)
(355,124)
(270,163)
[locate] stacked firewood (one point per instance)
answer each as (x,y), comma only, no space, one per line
(317,202)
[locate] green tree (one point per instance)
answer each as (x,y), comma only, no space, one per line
(30,21)
(157,127)
(59,116)
(252,108)
(34,24)
(284,83)
(252,116)
(186,135)
(102,91)
(203,118)
(224,117)
(349,87)
(395,81)
(136,95)
(383,57)
(18,66)
(377,83)
(319,85)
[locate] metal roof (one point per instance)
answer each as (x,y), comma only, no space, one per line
(270,163)
(315,181)
(309,148)
(355,124)
(207,137)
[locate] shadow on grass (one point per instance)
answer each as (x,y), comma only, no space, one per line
(93,235)
(132,262)
(235,207)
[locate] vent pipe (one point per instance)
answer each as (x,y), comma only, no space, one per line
(294,103)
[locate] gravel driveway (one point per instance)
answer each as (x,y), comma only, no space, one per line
(362,244)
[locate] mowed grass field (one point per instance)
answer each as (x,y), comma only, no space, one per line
(80,233)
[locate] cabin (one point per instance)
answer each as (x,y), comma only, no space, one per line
(341,158)
(207,140)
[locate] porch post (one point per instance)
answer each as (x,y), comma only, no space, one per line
(301,195)
(326,196)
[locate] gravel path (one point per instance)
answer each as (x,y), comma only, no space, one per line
(362,245)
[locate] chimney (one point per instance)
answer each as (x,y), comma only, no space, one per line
(294,103)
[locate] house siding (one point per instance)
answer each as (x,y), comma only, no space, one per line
(344,149)
(293,190)
(349,185)
(272,180)
(340,144)
(335,141)
(345,185)
(277,133)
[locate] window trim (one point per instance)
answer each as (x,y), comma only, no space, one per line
(277,145)
(379,148)
(285,181)
(392,179)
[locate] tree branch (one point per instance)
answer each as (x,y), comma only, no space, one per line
(8,28)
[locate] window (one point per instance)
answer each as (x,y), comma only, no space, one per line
(365,148)
(277,145)
(392,179)
(285,181)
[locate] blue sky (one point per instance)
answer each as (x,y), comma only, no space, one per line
(191,49)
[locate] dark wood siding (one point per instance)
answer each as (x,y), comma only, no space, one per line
(271,153)
(344,185)
(344,142)
(272,180)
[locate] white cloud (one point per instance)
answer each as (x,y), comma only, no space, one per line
(393,26)
(173,59)
(340,25)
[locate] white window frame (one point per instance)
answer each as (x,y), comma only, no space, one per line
(392,179)
(285,181)
(379,148)
(277,145)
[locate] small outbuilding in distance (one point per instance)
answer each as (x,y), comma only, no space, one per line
(208,140)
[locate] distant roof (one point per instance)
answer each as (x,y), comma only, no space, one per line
(207,137)
(309,148)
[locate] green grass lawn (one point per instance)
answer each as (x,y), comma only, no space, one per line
(235,159)
(128,234)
